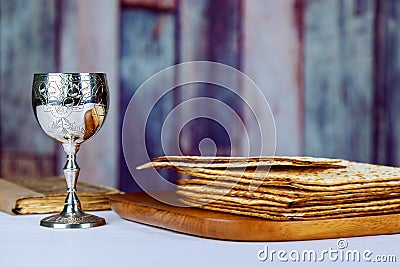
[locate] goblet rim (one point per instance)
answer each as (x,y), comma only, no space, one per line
(69,73)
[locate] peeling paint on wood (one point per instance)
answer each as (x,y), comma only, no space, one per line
(210,31)
(145,49)
(387,83)
(338,79)
(18,165)
(162,5)
(27,46)
(271,58)
(84,48)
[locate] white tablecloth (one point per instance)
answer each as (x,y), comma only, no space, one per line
(123,243)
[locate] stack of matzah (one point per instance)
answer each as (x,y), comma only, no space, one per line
(286,188)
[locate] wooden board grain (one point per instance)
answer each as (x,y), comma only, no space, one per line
(142,208)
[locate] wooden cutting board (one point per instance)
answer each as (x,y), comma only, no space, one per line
(142,208)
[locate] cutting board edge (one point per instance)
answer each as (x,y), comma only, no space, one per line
(264,238)
(267,230)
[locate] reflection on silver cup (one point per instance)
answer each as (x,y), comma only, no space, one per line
(70,108)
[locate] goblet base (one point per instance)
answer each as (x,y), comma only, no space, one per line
(84,220)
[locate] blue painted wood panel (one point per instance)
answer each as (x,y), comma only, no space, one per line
(210,31)
(338,71)
(147,46)
(387,83)
(27,45)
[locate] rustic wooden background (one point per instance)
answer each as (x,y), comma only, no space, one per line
(330,70)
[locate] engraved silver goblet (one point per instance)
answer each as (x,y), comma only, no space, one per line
(70,108)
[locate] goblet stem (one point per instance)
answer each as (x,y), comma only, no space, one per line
(72,215)
(72,205)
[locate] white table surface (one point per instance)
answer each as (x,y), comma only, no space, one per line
(124,243)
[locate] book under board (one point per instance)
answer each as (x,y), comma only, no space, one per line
(47,195)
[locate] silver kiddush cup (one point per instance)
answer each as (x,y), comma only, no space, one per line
(70,108)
